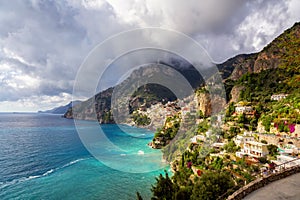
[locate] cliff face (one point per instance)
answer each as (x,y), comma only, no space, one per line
(204,103)
(279,61)
(235,93)
(235,67)
(279,53)
(283,52)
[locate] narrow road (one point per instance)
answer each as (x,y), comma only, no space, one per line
(287,188)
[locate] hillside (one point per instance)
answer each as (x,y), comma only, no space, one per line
(142,97)
(274,70)
(252,84)
(261,126)
(283,52)
(251,77)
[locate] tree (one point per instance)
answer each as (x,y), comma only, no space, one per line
(230,147)
(273,149)
(184,193)
(266,122)
(141,119)
(200,114)
(212,185)
(241,118)
(264,141)
(138,196)
(263,160)
(164,188)
(233,131)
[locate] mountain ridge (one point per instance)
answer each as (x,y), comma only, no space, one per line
(61,109)
(278,54)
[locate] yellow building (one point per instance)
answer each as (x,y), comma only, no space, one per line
(254,149)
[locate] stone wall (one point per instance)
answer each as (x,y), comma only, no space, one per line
(261,182)
(273,139)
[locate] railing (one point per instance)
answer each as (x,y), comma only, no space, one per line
(261,182)
(285,163)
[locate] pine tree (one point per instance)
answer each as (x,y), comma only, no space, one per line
(138,196)
(164,188)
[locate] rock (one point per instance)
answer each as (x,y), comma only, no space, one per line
(235,93)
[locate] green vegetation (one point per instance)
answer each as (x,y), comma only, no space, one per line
(282,74)
(263,160)
(259,87)
(212,185)
(138,196)
(141,119)
(164,188)
(230,147)
(206,177)
(182,140)
(203,126)
(201,90)
(230,110)
(273,150)
(284,113)
(286,47)
(107,117)
(170,128)
(148,95)
(164,135)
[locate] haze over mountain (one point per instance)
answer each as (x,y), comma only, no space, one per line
(61,109)
(277,59)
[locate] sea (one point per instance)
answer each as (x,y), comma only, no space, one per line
(43,157)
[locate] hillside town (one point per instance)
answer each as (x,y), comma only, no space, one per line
(242,146)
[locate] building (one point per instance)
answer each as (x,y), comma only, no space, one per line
(218,145)
(253,149)
(243,109)
(278,97)
(239,140)
(197,138)
(289,149)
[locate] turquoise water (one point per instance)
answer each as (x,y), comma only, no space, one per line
(42,157)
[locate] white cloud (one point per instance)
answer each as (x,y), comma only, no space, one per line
(35,103)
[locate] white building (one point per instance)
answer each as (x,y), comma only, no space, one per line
(253,149)
(278,97)
(243,109)
(197,138)
(239,140)
(218,145)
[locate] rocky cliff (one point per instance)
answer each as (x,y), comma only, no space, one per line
(279,53)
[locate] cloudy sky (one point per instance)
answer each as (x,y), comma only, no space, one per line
(44,42)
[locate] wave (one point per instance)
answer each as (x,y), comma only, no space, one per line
(24,179)
(140,152)
(73,162)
